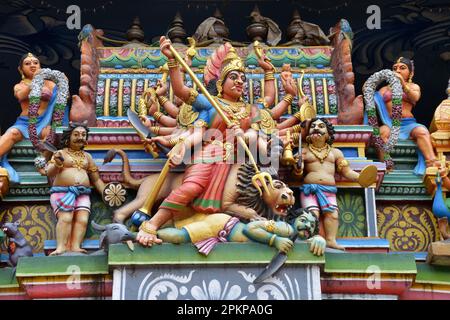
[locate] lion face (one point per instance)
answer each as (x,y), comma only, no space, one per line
(280,198)
(306,225)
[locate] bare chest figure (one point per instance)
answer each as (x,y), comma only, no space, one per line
(75,168)
(319,166)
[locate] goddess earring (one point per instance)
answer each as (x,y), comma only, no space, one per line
(410,78)
(21,73)
(219,88)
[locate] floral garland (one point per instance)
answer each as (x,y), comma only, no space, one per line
(35,99)
(397,92)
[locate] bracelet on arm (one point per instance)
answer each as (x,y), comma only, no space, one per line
(288,98)
(162,100)
(157,115)
(155,130)
(145,228)
(172,63)
(272,240)
(269,75)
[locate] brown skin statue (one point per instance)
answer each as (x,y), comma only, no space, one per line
(320,161)
(74,172)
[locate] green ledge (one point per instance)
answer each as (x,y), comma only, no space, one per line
(368,263)
(62,266)
(429,274)
(223,253)
(8,278)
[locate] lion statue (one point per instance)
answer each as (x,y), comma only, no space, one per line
(240,197)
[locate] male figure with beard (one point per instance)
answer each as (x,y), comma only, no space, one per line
(320,161)
(74,171)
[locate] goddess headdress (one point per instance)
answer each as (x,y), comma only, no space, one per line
(222,61)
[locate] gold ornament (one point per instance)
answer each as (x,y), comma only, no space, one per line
(78,158)
(186,116)
(267,124)
(319,152)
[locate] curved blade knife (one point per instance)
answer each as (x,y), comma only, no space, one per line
(275,264)
(142,130)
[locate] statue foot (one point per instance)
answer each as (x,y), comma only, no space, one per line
(334,245)
(58,252)
(79,250)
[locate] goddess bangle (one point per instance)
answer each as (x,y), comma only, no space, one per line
(155,130)
(157,115)
(271,241)
(297,128)
(162,100)
(295,137)
(288,98)
(144,228)
(269,76)
(172,63)
(298,115)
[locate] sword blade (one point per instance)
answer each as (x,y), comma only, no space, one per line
(275,264)
(137,124)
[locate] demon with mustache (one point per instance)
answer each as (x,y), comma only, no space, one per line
(319,163)
(74,171)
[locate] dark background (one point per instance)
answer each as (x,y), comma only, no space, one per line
(415,29)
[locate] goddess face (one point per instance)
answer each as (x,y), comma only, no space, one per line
(30,66)
(234,85)
(402,69)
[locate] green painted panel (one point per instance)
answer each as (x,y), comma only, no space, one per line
(8,279)
(368,262)
(352,213)
(429,274)
(223,253)
(62,265)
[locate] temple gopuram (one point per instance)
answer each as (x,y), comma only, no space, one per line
(85,207)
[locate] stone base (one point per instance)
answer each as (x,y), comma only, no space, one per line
(215,283)
(439,253)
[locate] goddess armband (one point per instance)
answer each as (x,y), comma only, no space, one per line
(193,94)
(342,164)
(288,98)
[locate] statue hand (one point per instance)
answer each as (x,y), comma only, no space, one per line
(283,244)
(317,245)
(400,77)
(237,131)
(176,155)
(146,121)
(58,157)
(147,239)
(161,88)
(164,45)
(264,64)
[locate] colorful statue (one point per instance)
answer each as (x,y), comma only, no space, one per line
(74,172)
(204,181)
(42,110)
(205,231)
(409,128)
(319,163)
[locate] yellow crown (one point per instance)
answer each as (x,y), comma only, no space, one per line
(232,62)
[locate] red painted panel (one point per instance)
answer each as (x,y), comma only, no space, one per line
(362,287)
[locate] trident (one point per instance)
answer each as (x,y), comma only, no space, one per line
(259,177)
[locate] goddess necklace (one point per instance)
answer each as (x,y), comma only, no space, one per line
(78,158)
(317,152)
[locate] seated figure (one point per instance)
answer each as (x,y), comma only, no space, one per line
(409,128)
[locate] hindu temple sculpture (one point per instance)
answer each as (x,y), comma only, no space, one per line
(305,33)
(397,119)
(43,107)
(74,172)
(317,163)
